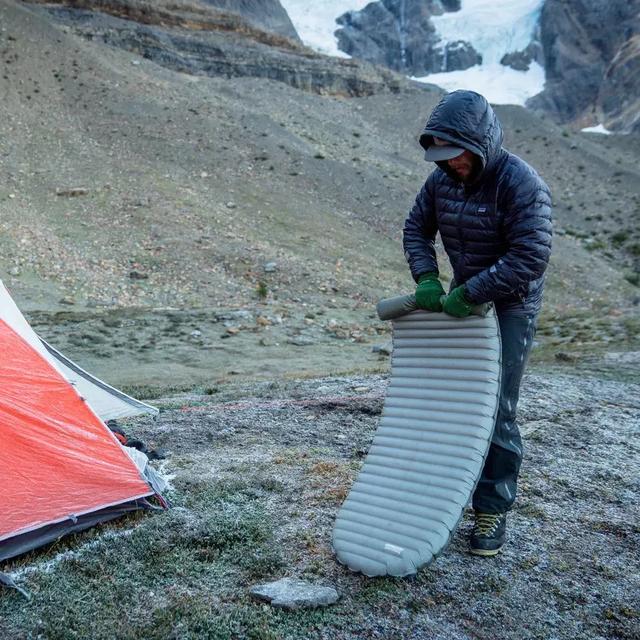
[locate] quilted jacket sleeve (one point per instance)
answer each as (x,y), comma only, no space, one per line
(419,233)
(527,228)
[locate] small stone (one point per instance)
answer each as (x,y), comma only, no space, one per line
(290,593)
(195,333)
(72,192)
(563,356)
(204,174)
(67,300)
(138,275)
(383,349)
(14,271)
(270,267)
(231,205)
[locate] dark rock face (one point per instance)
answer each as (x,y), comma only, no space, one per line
(521,60)
(581,39)
(618,103)
(219,46)
(459,55)
(399,34)
(263,14)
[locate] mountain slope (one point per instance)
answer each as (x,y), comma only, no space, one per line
(217,192)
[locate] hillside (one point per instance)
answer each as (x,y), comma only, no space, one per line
(130,187)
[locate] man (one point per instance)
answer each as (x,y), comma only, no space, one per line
(493,213)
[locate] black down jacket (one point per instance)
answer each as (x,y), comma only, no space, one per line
(495,230)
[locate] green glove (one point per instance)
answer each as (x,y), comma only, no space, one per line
(429,291)
(456,304)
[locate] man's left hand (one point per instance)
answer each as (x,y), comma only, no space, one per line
(456,304)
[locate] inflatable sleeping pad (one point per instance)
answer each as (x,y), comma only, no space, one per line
(430,446)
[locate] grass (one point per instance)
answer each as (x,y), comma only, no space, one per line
(160,581)
(184,573)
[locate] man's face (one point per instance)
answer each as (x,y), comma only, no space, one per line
(462,165)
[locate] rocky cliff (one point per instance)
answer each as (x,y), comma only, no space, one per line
(591,58)
(268,15)
(590,51)
(195,37)
(399,34)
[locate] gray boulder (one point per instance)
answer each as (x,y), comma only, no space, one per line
(290,593)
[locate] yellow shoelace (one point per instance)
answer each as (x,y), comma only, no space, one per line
(486,523)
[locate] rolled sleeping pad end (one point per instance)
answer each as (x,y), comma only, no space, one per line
(391,308)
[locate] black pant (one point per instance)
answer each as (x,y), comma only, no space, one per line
(496,490)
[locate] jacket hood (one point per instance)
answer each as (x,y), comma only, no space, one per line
(466,119)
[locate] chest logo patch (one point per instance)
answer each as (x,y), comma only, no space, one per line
(482,209)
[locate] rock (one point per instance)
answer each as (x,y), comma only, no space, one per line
(586,47)
(231,205)
(196,333)
(459,55)
(290,593)
(563,356)
(521,60)
(14,271)
(383,349)
(270,267)
(399,34)
(72,192)
(67,300)
(268,15)
(138,275)
(618,102)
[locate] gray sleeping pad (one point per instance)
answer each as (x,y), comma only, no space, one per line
(430,446)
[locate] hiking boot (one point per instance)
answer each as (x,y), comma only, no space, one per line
(488,533)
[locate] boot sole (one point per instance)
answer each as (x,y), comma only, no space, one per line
(485,553)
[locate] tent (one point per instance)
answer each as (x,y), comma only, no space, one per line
(63,470)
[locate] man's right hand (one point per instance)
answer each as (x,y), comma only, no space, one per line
(428,292)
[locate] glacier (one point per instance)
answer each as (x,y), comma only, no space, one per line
(493,27)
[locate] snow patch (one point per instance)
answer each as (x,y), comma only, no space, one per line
(492,27)
(497,83)
(597,129)
(315,22)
